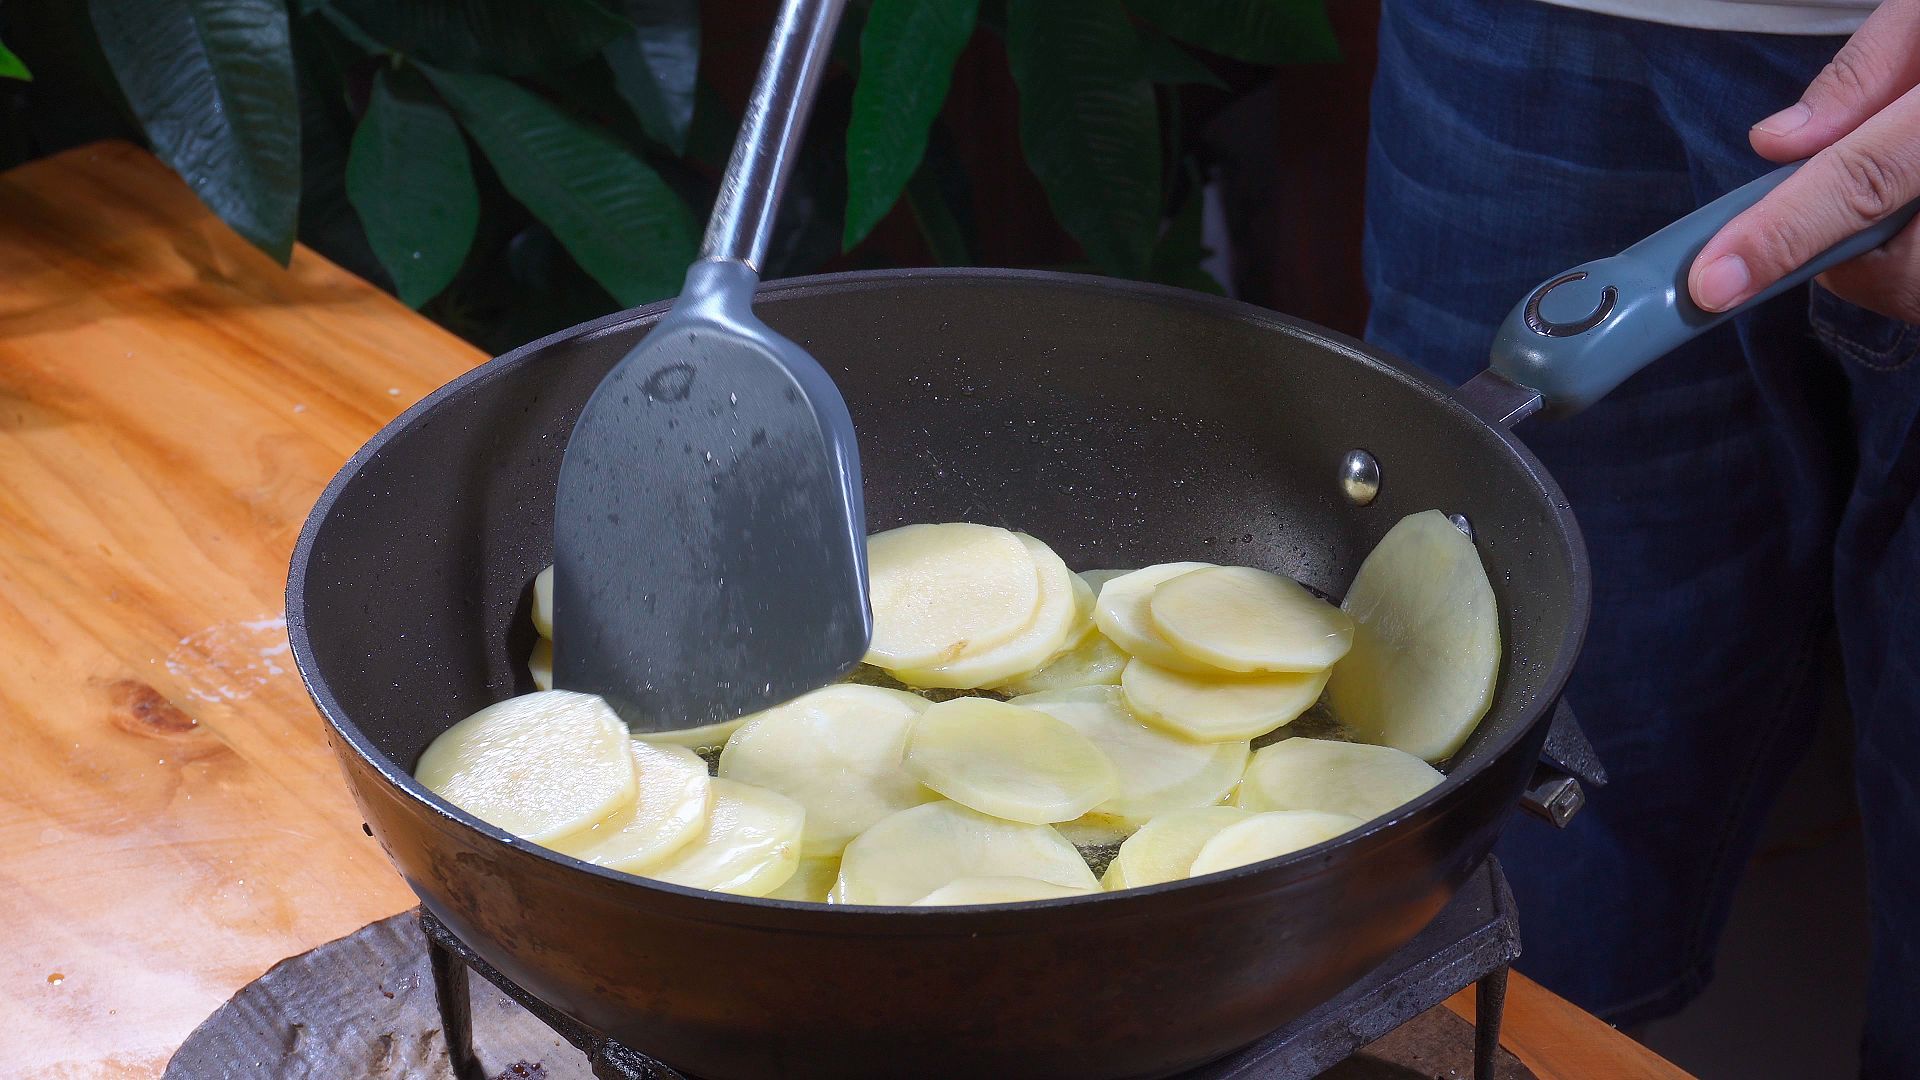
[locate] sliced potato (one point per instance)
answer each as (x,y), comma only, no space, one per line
(1054,623)
(540,664)
(1237,618)
(1098,578)
(1426,646)
(1156,771)
(997,890)
(1093,831)
(750,847)
(916,851)
(543,603)
(1015,763)
(907,698)
(811,881)
(541,766)
(1083,597)
(1338,777)
(837,752)
(1121,613)
(1164,848)
(668,810)
(1219,707)
(1088,658)
(941,592)
(1094,662)
(705,737)
(1268,836)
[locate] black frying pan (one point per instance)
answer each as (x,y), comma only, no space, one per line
(1126,424)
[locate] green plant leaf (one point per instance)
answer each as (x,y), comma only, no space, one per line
(1169,64)
(811,219)
(409,179)
(11,66)
(616,216)
(212,84)
(1180,250)
(710,137)
(940,196)
(656,66)
(1088,124)
(327,221)
(1259,31)
(506,37)
(939,225)
(907,52)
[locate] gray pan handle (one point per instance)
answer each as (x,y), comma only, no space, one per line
(769,141)
(1581,333)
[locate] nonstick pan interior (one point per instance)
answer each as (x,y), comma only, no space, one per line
(1124,424)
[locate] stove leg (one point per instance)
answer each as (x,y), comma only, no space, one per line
(1490,1003)
(456,1012)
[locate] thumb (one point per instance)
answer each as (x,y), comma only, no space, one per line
(1878,64)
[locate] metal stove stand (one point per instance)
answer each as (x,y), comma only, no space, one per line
(447,955)
(1470,943)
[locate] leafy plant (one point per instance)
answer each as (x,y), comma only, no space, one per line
(12,66)
(409,178)
(355,124)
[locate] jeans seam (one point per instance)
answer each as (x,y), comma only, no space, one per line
(1871,359)
(1682,988)
(1700,948)
(1837,341)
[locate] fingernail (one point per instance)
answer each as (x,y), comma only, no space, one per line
(1722,284)
(1787,120)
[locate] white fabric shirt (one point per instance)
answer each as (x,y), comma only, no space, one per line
(1758,16)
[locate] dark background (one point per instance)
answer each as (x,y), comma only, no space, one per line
(1285,148)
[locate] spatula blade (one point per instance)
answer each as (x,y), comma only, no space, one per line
(710,553)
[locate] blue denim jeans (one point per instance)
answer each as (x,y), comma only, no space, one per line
(1740,497)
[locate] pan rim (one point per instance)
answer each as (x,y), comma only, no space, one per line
(1379,833)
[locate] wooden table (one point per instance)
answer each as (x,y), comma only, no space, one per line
(171,822)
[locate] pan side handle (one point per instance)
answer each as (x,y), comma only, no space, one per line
(1567,762)
(1583,332)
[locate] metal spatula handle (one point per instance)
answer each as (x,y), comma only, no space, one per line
(770,132)
(709,535)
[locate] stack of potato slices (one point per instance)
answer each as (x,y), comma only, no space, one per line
(1104,707)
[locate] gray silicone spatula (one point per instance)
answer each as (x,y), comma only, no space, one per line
(709,536)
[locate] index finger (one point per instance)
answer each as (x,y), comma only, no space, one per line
(1876,65)
(1866,176)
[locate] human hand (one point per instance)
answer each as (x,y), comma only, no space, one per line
(1859,121)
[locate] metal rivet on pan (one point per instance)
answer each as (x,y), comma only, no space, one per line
(1460,522)
(1360,477)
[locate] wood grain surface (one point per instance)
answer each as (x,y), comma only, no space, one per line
(171,402)
(171,820)
(1558,1041)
